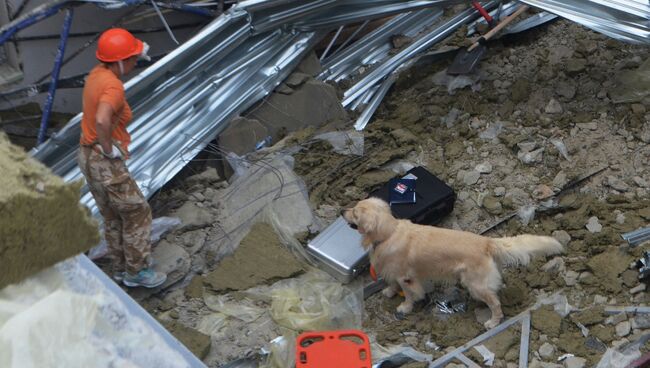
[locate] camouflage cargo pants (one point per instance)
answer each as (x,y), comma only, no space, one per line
(126,213)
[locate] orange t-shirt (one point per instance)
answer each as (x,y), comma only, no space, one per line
(102,85)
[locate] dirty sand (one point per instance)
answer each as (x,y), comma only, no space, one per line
(41,220)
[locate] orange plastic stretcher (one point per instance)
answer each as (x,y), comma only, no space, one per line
(329,349)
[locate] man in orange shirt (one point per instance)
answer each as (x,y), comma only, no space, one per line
(104,147)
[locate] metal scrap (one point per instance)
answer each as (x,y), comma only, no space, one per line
(643,265)
(636,237)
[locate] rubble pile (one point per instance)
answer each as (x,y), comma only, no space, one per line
(550,137)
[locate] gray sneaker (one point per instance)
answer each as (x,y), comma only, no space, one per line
(118,276)
(146,278)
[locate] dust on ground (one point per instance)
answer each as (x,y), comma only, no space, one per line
(543,117)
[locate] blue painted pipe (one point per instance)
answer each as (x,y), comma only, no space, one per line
(47,110)
(188,9)
(6,35)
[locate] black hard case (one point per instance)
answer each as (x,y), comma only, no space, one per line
(433,199)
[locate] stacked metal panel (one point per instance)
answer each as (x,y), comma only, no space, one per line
(625,20)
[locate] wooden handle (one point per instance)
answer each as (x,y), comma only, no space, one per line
(499,26)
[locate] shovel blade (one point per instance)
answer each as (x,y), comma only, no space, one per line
(466,61)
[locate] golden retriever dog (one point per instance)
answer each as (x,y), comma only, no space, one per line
(409,256)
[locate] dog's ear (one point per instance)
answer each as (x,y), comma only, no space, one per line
(367,220)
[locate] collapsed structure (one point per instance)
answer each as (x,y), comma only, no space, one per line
(184,101)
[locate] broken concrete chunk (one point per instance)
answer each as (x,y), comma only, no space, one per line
(641,321)
(242,135)
(593,225)
(562,236)
(566,89)
(527,146)
(553,107)
(492,205)
(575,362)
(617,184)
(484,168)
(637,289)
(499,191)
(532,157)
(259,258)
(616,318)
(575,66)
(210,175)
(195,288)
(198,343)
(555,265)
(546,351)
(560,180)
(471,177)
(623,329)
(193,217)
(571,278)
(41,220)
(400,41)
(314,103)
(640,182)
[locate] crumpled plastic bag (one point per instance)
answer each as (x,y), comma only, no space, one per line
(316,302)
(616,359)
(219,303)
(348,142)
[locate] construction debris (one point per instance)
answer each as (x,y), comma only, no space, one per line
(41,222)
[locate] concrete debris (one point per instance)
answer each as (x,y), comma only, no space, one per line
(553,107)
(539,109)
(571,278)
(617,184)
(623,329)
(193,217)
(555,265)
(562,236)
(484,168)
(640,182)
(637,289)
(313,103)
(593,225)
(41,220)
(499,191)
(242,135)
(532,157)
(575,362)
(616,318)
(260,258)
(471,177)
(546,351)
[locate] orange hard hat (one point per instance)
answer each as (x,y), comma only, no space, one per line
(117,44)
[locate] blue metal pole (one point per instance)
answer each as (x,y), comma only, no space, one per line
(47,110)
(34,18)
(189,9)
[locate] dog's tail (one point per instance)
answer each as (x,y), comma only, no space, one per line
(518,250)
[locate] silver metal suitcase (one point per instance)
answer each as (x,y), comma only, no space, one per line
(337,249)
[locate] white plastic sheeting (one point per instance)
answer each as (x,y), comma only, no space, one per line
(65,317)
